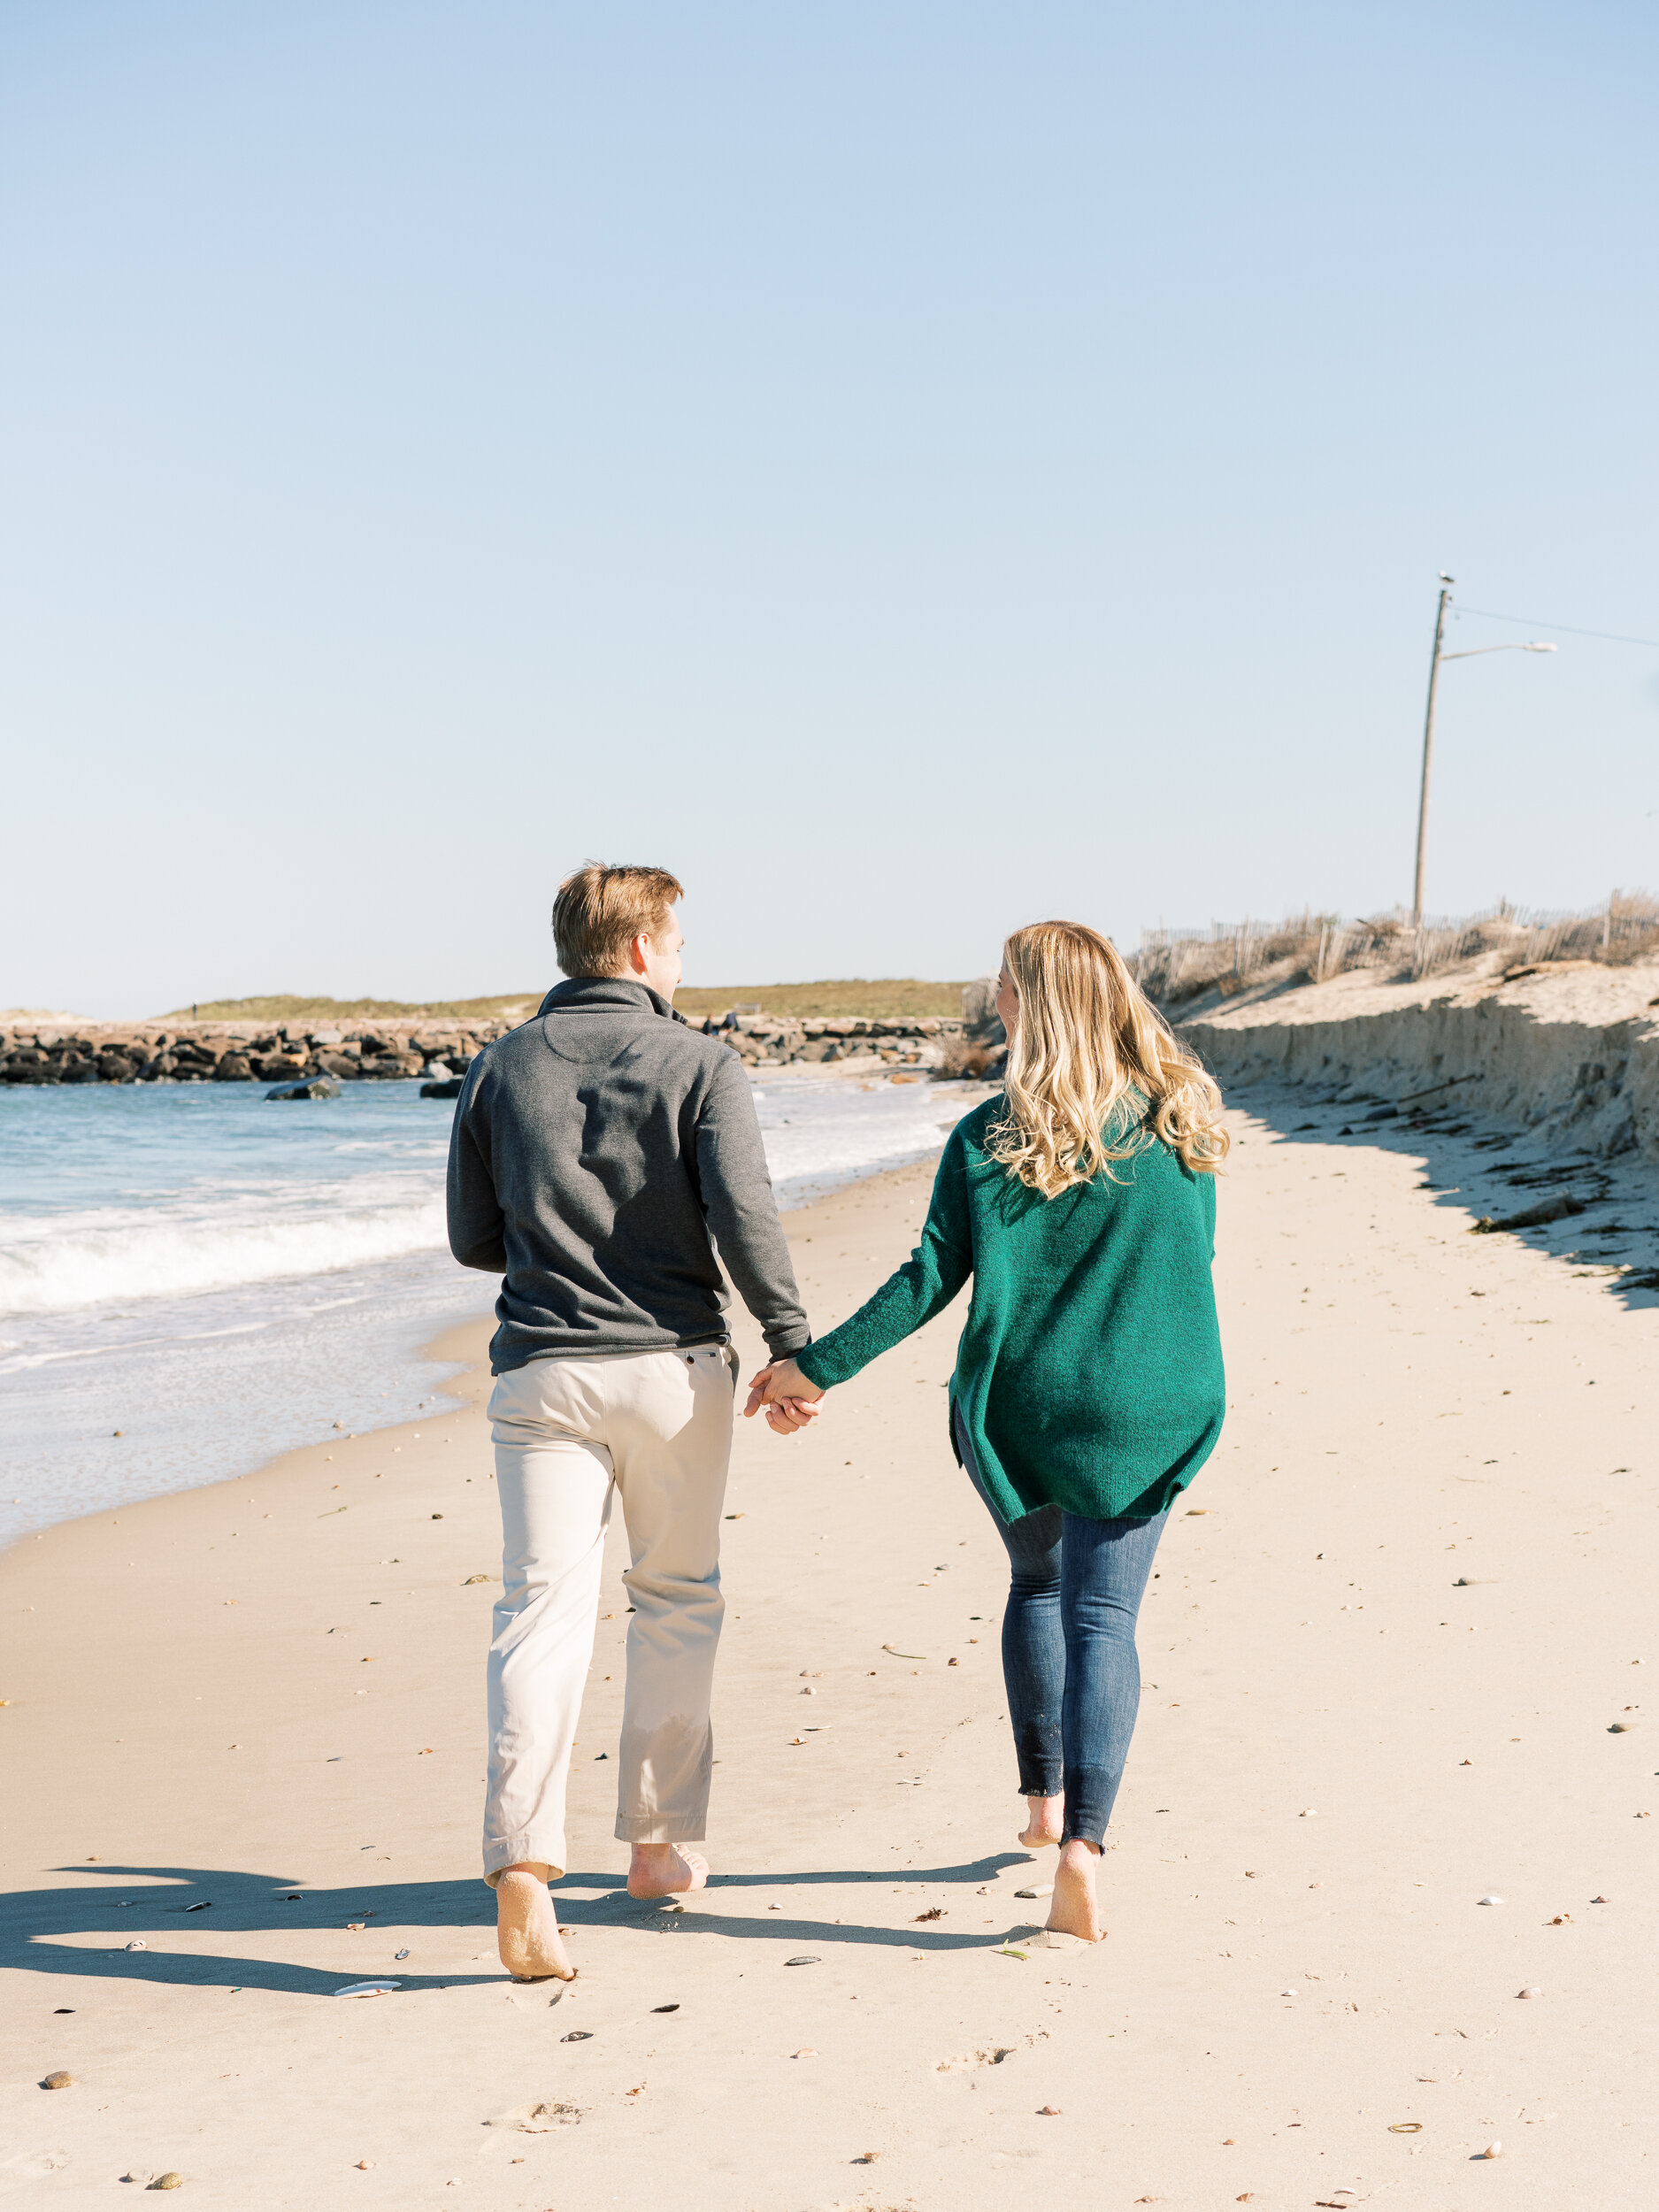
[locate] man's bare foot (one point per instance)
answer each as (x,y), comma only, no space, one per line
(1075,1909)
(1046,1823)
(528,1928)
(662,1869)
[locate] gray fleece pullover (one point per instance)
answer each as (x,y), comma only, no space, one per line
(594,1151)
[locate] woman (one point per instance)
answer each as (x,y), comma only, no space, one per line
(1088,1388)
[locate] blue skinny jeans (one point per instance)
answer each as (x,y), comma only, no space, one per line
(1069,1659)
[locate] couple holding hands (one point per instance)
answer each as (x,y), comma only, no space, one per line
(600,1155)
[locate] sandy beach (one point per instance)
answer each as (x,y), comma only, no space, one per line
(1396,1665)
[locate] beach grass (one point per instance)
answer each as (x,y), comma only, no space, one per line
(289,1007)
(886,998)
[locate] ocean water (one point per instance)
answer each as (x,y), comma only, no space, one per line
(220,1279)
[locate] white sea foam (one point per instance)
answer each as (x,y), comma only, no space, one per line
(821,1132)
(154,1255)
(381,1198)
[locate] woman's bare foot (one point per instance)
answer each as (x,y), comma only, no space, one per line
(662,1869)
(1075,1909)
(528,1928)
(1046,1823)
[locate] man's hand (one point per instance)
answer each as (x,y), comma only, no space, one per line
(790,1400)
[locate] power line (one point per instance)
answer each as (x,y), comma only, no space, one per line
(1610,637)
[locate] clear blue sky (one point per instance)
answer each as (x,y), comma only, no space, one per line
(911,470)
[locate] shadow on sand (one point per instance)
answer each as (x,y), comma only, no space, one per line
(1493,1170)
(85,1931)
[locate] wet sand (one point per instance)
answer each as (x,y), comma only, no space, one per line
(1384,1656)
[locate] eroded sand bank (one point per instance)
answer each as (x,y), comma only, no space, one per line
(1383,1659)
(1570,1050)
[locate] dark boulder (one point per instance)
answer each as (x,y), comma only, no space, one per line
(313,1087)
(235,1067)
(450,1088)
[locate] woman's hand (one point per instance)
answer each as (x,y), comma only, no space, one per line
(790,1415)
(790,1400)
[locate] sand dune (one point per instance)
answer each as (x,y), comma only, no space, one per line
(1572,1050)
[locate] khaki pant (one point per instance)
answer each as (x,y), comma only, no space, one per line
(656,1428)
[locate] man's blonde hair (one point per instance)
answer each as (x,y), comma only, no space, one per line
(600,910)
(1094,1073)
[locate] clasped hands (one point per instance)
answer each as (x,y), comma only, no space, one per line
(788,1400)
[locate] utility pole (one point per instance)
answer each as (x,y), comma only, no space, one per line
(1428,748)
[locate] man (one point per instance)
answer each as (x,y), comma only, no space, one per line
(594,1151)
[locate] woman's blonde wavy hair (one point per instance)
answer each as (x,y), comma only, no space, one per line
(1094,1073)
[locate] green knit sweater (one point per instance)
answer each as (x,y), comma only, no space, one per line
(1089,1373)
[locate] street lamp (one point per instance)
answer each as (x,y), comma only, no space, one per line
(1472,652)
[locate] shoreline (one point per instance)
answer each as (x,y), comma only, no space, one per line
(461,1345)
(69,1473)
(1425,1539)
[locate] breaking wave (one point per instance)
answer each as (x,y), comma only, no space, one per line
(119,1257)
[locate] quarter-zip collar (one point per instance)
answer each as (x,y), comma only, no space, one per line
(615,992)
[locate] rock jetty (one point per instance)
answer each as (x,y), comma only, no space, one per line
(436,1053)
(216,1052)
(766,1039)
